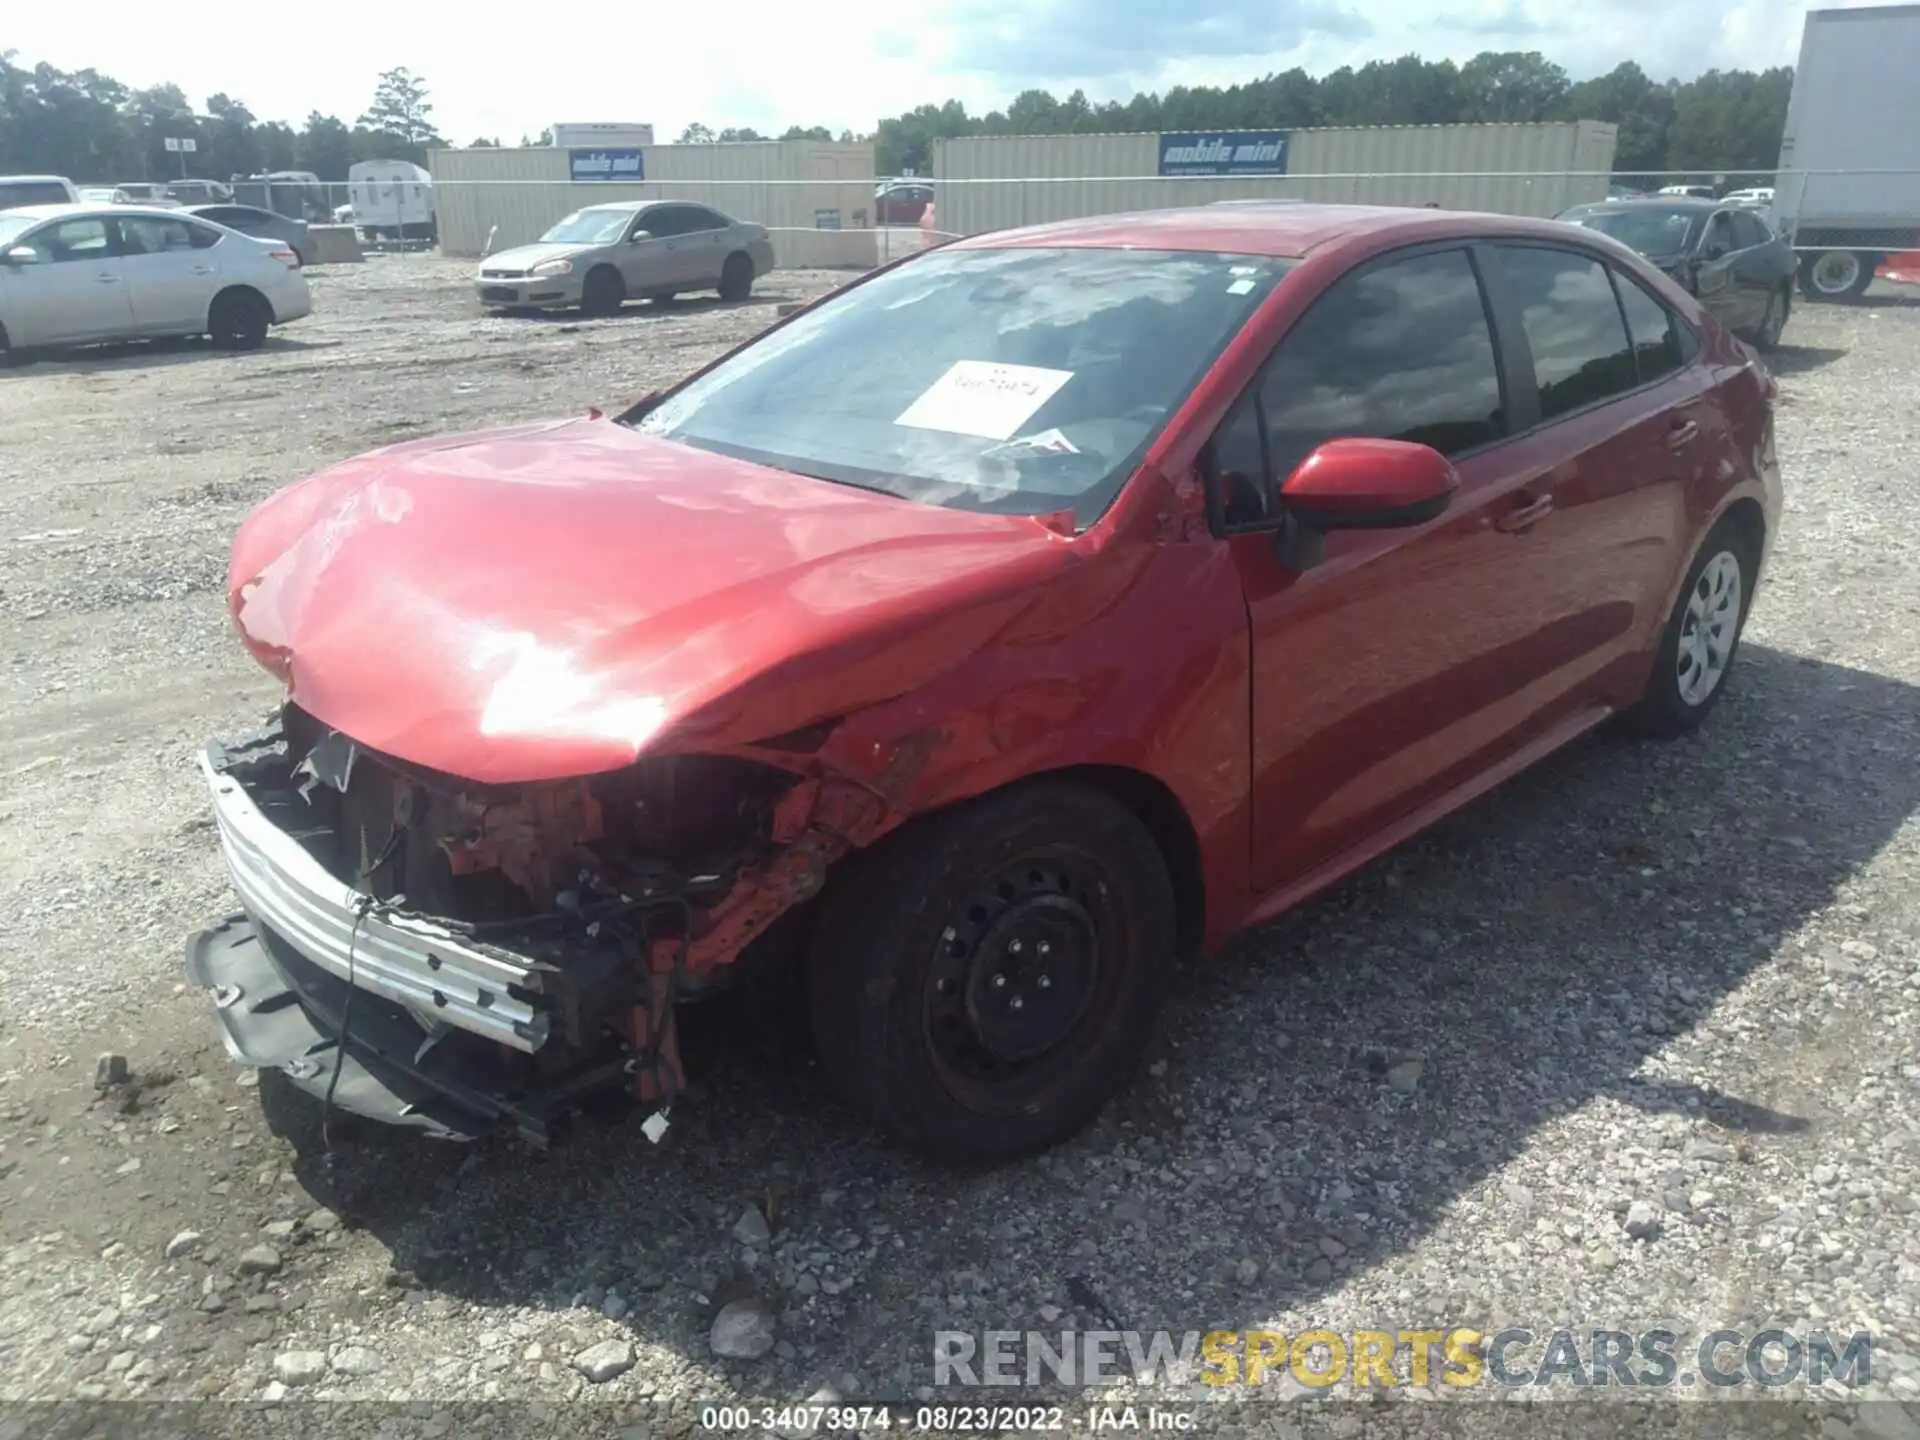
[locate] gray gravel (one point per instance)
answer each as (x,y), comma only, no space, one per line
(1635,1040)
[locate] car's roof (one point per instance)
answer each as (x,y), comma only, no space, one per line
(1282,229)
(38,179)
(95,207)
(1685,204)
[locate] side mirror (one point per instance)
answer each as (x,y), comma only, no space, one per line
(21,255)
(1360,484)
(638,236)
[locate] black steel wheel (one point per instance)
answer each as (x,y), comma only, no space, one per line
(983,982)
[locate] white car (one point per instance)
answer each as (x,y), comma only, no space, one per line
(81,274)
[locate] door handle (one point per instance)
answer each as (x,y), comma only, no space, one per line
(106,279)
(1683,434)
(203,270)
(1528,513)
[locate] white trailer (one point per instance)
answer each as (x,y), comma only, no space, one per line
(391,200)
(1848,191)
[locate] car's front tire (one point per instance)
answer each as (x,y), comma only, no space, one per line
(984,980)
(603,292)
(1766,335)
(1702,634)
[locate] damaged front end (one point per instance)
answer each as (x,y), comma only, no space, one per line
(465,958)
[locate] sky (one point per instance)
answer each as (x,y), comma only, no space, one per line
(846,63)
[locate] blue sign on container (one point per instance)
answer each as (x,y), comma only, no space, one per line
(605,165)
(1224,152)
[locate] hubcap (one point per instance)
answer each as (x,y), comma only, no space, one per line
(1013,973)
(1711,625)
(1835,272)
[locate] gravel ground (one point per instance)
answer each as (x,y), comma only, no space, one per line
(1634,1041)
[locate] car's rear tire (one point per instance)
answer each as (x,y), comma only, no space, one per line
(1766,335)
(603,291)
(238,319)
(983,981)
(736,276)
(1836,275)
(1702,635)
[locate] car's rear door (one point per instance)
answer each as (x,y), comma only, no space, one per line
(172,272)
(704,246)
(1620,421)
(76,290)
(1410,660)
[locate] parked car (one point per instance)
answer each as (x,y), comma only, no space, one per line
(142,192)
(1687,192)
(1726,255)
(104,195)
(1758,195)
(903,202)
(970,643)
(19,190)
(601,256)
(261,224)
(78,274)
(198,192)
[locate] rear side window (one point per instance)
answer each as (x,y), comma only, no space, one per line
(1748,231)
(1399,351)
(1581,355)
(147,235)
(1661,344)
(701,219)
(664,221)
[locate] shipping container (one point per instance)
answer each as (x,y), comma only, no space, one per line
(994,182)
(815,197)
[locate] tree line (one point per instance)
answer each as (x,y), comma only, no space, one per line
(90,127)
(1724,120)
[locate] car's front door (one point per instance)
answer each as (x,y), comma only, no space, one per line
(73,290)
(172,272)
(650,261)
(1409,660)
(1713,274)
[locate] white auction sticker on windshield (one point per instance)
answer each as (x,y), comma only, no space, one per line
(978,397)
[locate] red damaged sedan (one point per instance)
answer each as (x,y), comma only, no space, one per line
(965,649)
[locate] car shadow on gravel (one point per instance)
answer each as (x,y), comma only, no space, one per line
(683,307)
(1790,359)
(152,354)
(1324,1094)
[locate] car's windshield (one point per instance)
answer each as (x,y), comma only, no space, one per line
(589,227)
(1650,229)
(1019,381)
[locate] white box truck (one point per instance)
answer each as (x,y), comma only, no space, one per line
(1848,191)
(391,200)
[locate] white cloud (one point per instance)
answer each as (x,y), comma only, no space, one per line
(497,71)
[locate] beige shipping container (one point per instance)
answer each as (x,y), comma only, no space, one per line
(799,189)
(994,182)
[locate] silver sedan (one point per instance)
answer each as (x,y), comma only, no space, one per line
(604,255)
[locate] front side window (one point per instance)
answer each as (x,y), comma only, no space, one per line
(74,240)
(1573,327)
(1021,381)
(1399,351)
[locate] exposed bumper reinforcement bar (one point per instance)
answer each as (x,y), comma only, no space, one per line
(430,969)
(279,1010)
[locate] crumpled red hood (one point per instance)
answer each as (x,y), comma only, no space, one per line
(552,600)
